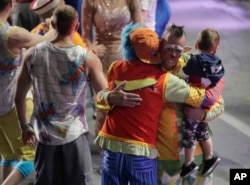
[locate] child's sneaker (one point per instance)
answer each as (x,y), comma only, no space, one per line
(187,170)
(210,165)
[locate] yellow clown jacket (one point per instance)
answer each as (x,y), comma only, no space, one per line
(169,145)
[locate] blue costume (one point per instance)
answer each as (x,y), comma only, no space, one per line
(163,14)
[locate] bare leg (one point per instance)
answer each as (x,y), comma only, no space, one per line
(207,147)
(211,160)
(189,155)
(189,166)
(14,178)
(6,170)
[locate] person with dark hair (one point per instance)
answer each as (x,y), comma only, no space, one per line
(45,10)
(128,137)
(169,139)
(16,158)
(23,16)
(59,71)
(169,146)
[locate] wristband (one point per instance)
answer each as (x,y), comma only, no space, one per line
(24,126)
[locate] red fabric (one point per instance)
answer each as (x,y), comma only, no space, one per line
(214,93)
(138,123)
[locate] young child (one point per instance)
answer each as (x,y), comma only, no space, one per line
(129,135)
(204,70)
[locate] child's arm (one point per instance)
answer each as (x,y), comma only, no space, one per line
(213,94)
(205,115)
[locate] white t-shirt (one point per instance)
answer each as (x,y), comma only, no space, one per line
(150,7)
(60,87)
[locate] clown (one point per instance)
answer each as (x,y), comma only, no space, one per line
(128,136)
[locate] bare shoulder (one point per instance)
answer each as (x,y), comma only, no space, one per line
(93,64)
(92,59)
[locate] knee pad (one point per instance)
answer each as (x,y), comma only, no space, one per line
(25,168)
(8,162)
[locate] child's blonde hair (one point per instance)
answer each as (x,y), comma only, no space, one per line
(208,40)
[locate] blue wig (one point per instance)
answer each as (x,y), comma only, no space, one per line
(126,47)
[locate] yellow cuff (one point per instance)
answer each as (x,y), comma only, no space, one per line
(196,96)
(102,100)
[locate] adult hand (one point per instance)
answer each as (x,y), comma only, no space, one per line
(28,136)
(194,113)
(99,49)
(119,97)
